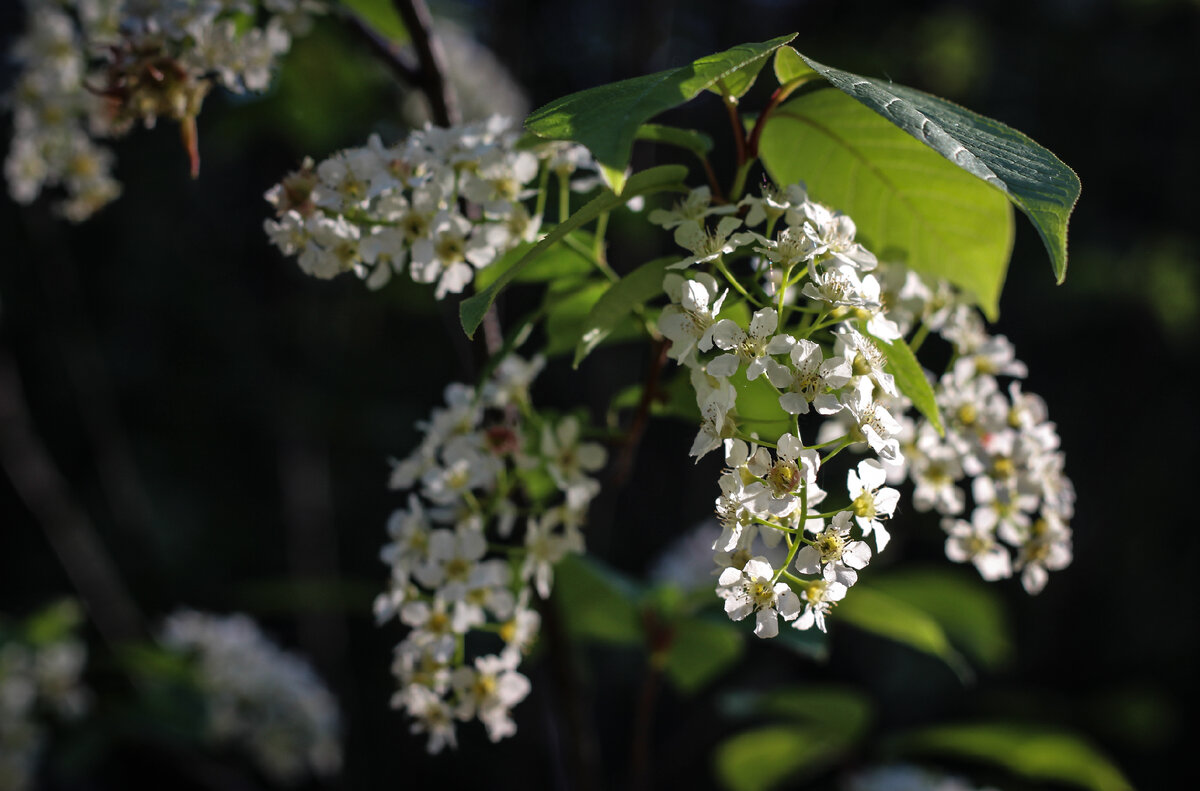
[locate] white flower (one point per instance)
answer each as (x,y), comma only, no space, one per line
(833,554)
(689,324)
(870,499)
(489,691)
(567,459)
(751,589)
(974,541)
(809,379)
(753,347)
(818,596)
(708,245)
(690,211)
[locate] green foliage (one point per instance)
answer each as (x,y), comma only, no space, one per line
(701,648)
(790,66)
(569,318)
(909,203)
(823,723)
(606,119)
(688,139)
(1031,177)
(910,379)
(559,263)
(872,610)
(967,609)
(382,16)
(1031,751)
(618,302)
(664,177)
(758,410)
(598,602)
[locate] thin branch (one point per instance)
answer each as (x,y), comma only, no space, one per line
(40,484)
(624,463)
(433,81)
(392,55)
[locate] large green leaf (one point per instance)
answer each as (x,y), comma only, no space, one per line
(617,303)
(910,379)
(381,15)
(664,177)
(1038,182)
(567,318)
(606,118)
(875,611)
(909,203)
(561,261)
(968,609)
(1032,751)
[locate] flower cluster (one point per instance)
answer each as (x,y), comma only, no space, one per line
(800,348)
(500,496)
(39,678)
(443,202)
(95,68)
(265,699)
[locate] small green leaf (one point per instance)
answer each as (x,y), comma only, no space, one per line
(874,611)
(700,649)
(789,65)
(968,609)
(1029,750)
(910,379)
(618,302)
(606,118)
(664,177)
(910,204)
(691,140)
(382,16)
(598,603)
(1034,179)
(763,758)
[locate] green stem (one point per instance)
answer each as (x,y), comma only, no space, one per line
(564,199)
(733,281)
(739,180)
(796,546)
(601,228)
(543,182)
(919,338)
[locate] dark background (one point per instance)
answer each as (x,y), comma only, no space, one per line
(225,422)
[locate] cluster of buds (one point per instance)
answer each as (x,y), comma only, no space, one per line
(96,68)
(442,202)
(499,495)
(40,679)
(259,697)
(800,348)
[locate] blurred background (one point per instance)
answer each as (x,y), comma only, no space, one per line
(224,422)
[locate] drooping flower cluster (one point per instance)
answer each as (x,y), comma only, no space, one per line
(95,68)
(799,347)
(40,680)
(1001,439)
(442,202)
(265,700)
(499,496)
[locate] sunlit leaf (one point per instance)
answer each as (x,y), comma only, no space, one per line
(1035,180)
(910,205)
(874,611)
(968,609)
(1032,751)
(606,118)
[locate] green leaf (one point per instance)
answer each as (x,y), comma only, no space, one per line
(1038,182)
(561,262)
(691,140)
(763,758)
(1032,751)
(664,177)
(567,319)
(53,622)
(598,603)
(606,118)
(910,379)
(757,408)
(968,610)
(382,16)
(908,203)
(700,649)
(843,711)
(618,302)
(789,65)
(874,611)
